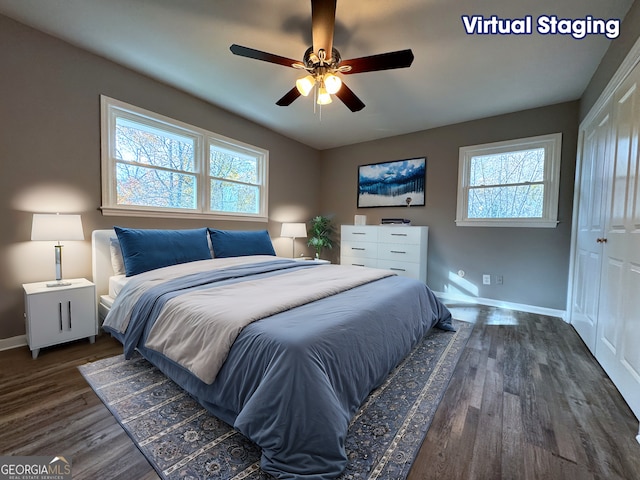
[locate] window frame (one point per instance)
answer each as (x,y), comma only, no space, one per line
(111,109)
(552,145)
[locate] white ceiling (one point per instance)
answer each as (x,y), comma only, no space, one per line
(455,77)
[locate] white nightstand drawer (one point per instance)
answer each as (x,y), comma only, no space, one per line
(398,251)
(359,249)
(354,233)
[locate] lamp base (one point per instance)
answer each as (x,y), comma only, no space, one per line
(59,282)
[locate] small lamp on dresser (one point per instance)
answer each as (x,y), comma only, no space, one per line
(293,231)
(56,227)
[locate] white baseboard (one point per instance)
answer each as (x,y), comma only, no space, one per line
(521,307)
(13,342)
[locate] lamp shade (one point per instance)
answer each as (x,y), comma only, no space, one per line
(332,83)
(56,227)
(305,85)
(294,230)
(323,96)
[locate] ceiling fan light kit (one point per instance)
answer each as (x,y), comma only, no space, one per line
(323,70)
(327,85)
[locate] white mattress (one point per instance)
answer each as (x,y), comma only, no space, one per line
(116,283)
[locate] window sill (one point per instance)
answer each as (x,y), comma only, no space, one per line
(508,223)
(141,212)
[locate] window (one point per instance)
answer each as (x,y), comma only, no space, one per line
(155,166)
(510,184)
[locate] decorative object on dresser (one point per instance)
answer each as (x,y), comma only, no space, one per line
(360,220)
(402,249)
(395,221)
(400,183)
(56,227)
(293,231)
(59,315)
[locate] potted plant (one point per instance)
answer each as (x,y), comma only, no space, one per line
(320,233)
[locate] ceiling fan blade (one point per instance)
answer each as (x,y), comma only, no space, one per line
(382,61)
(288,97)
(260,55)
(323,19)
(349,98)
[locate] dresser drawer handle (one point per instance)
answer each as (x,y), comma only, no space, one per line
(398,269)
(398,251)
(69,306)
(358,233)
(60,314)
(398,234)
(358,264)
(358,248)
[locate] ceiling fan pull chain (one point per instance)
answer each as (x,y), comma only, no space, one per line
(315,97)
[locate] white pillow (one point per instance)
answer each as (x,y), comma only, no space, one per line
(117,261)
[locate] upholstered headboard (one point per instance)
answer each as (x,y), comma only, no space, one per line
(101,260)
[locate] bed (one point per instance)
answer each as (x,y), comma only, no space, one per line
(284,351)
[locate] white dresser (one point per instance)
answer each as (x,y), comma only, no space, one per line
(394,247)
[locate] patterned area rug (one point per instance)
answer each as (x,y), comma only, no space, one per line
(182,440)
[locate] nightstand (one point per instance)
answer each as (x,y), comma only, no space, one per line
(57,315)
(310,259)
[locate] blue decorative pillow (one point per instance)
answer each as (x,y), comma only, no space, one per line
(144,250)
(240,243)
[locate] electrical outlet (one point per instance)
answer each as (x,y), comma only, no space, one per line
(499,280)
(486,279)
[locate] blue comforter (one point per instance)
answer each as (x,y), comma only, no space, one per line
(292,381)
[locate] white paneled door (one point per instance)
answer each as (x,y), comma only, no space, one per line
(587,265)
(618,326)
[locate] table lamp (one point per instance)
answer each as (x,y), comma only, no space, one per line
(293,231)
(56,227)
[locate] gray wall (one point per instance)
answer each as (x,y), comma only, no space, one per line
(533,261)
(50,156)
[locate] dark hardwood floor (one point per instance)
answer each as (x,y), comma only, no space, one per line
(47,408)
(527,401)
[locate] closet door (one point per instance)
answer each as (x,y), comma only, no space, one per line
(587,265)
(618,332)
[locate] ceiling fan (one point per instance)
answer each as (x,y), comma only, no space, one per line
(323,63)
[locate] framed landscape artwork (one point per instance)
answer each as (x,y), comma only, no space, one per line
(400,183)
